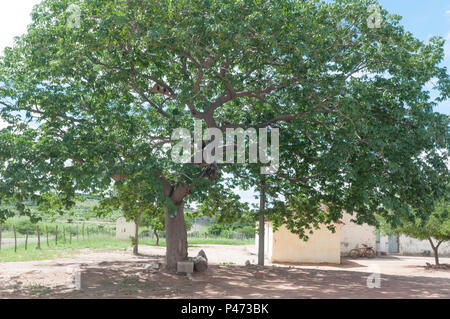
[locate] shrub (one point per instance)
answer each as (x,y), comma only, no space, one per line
(249,231)
(227,233)
(215,229)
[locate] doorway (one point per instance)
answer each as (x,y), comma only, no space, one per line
(393,244)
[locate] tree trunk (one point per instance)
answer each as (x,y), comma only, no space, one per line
(435,250)
(15,239)
(176,238)
(262,207)
(136,234)
(26,240)
(38,237)
(0,236)
(261,240)
(157,237)
(436,256)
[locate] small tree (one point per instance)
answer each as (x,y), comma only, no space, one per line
(435,229)
(135,199)
(155,222)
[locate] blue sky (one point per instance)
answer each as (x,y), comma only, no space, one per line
(424,19)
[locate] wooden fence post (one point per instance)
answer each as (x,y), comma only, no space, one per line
(0,236)
(82,230)
(15,239)
(70,234)
(26,240)
(39,237)
(56,236)
(46,231)
(77,232)
(64,233)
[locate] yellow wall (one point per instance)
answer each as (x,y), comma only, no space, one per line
(322,247)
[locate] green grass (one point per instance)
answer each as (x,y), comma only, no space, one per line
(220,241)
(132,285)
(63,249)
(38,289)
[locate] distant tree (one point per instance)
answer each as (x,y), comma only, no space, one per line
(435,228)
(135,200)
(216,229)
(155,220)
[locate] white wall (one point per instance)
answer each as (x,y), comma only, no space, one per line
(383,245)
(412,246)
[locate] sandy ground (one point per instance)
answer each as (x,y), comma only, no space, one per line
(119,274)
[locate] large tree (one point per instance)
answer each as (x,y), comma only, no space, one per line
(97,101)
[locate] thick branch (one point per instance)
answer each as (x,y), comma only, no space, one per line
(153,104)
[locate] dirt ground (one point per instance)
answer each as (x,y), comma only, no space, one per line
(119,274)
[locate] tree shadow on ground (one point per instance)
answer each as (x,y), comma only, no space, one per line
(130,280)
(345,263)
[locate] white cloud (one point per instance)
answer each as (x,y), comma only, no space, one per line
(14,19)
(447,12)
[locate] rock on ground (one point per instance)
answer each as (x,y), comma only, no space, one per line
(200,264)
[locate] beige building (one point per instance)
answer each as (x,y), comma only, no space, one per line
(405,245)
(354,235)
(323,245)
(124,229)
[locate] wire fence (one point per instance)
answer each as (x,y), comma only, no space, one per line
(13,234)
(53,234)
